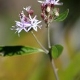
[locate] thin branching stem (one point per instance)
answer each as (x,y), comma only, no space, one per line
(49,46)
(46,51)
(55,70)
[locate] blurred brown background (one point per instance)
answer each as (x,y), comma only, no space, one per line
(37,66)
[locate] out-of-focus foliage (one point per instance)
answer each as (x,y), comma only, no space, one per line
(62,16)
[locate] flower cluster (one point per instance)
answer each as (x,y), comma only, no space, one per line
(27,22)
(48,9)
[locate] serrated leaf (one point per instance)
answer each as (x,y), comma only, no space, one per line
(18,50)
(62,16)
(56,51)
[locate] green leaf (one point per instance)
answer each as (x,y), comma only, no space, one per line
(31,50)
(18,50)
(62,16)
(56,51)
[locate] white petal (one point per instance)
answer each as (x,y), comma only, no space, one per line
(25,30)
(57,0)
(40,26)
(29,28)
(27,8)
(41,1)
(19,30)
(58,4)
(19,24)
(47,1)
(30,17)
(35,28)
(38,22)
(27,24)
(35,17)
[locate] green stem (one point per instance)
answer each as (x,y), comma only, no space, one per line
(52,60)
(49,44)
(55,70)
(46,51)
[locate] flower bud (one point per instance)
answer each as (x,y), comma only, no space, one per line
(46,20)
(42,7)
(42,15)
(25,19)
(52,5)
(30,12)
(50,17)
(48,9)
(57,13)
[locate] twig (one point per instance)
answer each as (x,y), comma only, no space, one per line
(55,70)
(49,44)
(46,51)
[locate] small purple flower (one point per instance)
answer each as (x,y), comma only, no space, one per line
(26,23)
(21,26)
(34,23)
(54,2)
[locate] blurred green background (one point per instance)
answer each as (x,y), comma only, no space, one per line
(37,66)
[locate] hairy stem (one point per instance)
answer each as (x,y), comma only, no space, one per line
(46,51)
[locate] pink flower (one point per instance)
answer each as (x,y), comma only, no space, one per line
(34,23)
(26,23)
(54,2)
